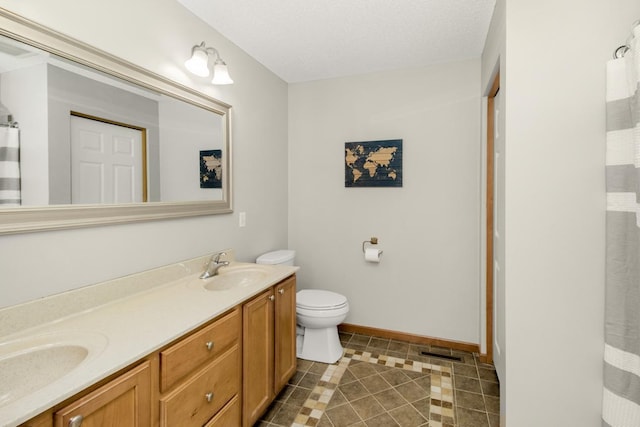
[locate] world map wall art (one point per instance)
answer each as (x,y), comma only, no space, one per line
(373,163)
(211,169)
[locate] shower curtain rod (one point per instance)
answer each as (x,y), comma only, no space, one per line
(620,51)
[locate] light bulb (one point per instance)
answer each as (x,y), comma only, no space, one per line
(198,64)
(221,74)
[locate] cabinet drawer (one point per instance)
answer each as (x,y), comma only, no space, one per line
(198,349)
(229,416)
(191,404)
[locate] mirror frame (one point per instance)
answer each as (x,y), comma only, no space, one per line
(58,217)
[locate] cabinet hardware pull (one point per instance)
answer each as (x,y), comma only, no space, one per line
(281,291)
(209,396)
(271,297)
(209,345)
(76,421)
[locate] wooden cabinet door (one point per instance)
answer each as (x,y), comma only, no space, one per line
(285,332)
(123,402)
(42,420)
(257,350)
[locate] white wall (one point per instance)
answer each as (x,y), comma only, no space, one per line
(427,282)
(185,132)
(553,58)
(39,264)
(493,60)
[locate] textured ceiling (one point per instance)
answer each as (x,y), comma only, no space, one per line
(303,40)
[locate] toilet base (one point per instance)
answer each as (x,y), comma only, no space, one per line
(320,345)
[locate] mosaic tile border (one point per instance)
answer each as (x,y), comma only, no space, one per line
(441,407)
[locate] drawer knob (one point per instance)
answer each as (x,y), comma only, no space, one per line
(281,291)
(76,421)
(209,396)
(209,345)
(271,297)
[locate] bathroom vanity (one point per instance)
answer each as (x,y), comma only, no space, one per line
(217,351)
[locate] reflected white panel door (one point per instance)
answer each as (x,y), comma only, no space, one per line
(106,162)
(498,243)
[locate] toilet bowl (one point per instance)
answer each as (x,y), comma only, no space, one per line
(318,313)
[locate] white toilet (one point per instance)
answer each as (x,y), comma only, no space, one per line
(319,313)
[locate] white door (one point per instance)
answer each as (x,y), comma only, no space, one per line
(106,162)
(498,243)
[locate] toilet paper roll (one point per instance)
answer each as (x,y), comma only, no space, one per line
(372,255)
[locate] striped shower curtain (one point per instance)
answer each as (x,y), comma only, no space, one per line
(621,395)
(9,167)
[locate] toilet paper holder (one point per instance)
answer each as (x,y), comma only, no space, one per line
(372,241)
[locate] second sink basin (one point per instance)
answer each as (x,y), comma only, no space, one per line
(237,275)
(29,364)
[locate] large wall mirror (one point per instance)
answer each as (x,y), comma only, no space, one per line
(101,140)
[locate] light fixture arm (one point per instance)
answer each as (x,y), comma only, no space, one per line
(212,51)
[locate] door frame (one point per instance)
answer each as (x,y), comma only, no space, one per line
(489,215)
(143,148)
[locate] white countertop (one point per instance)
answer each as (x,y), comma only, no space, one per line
(126,330)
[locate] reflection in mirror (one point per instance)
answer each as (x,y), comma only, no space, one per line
(89,138)
(101,140)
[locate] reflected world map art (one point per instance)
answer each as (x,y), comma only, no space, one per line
(211,169)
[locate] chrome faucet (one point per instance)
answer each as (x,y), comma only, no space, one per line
(214,265)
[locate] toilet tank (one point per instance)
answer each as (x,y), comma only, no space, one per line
(282,256)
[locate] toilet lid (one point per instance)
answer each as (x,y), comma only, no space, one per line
(318,299)
(276,257)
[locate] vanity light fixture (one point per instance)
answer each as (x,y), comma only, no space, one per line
(198,64)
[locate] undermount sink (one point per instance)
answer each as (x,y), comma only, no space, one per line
(237,276)
(31,363)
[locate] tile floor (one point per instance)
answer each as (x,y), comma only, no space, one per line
(381,382)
